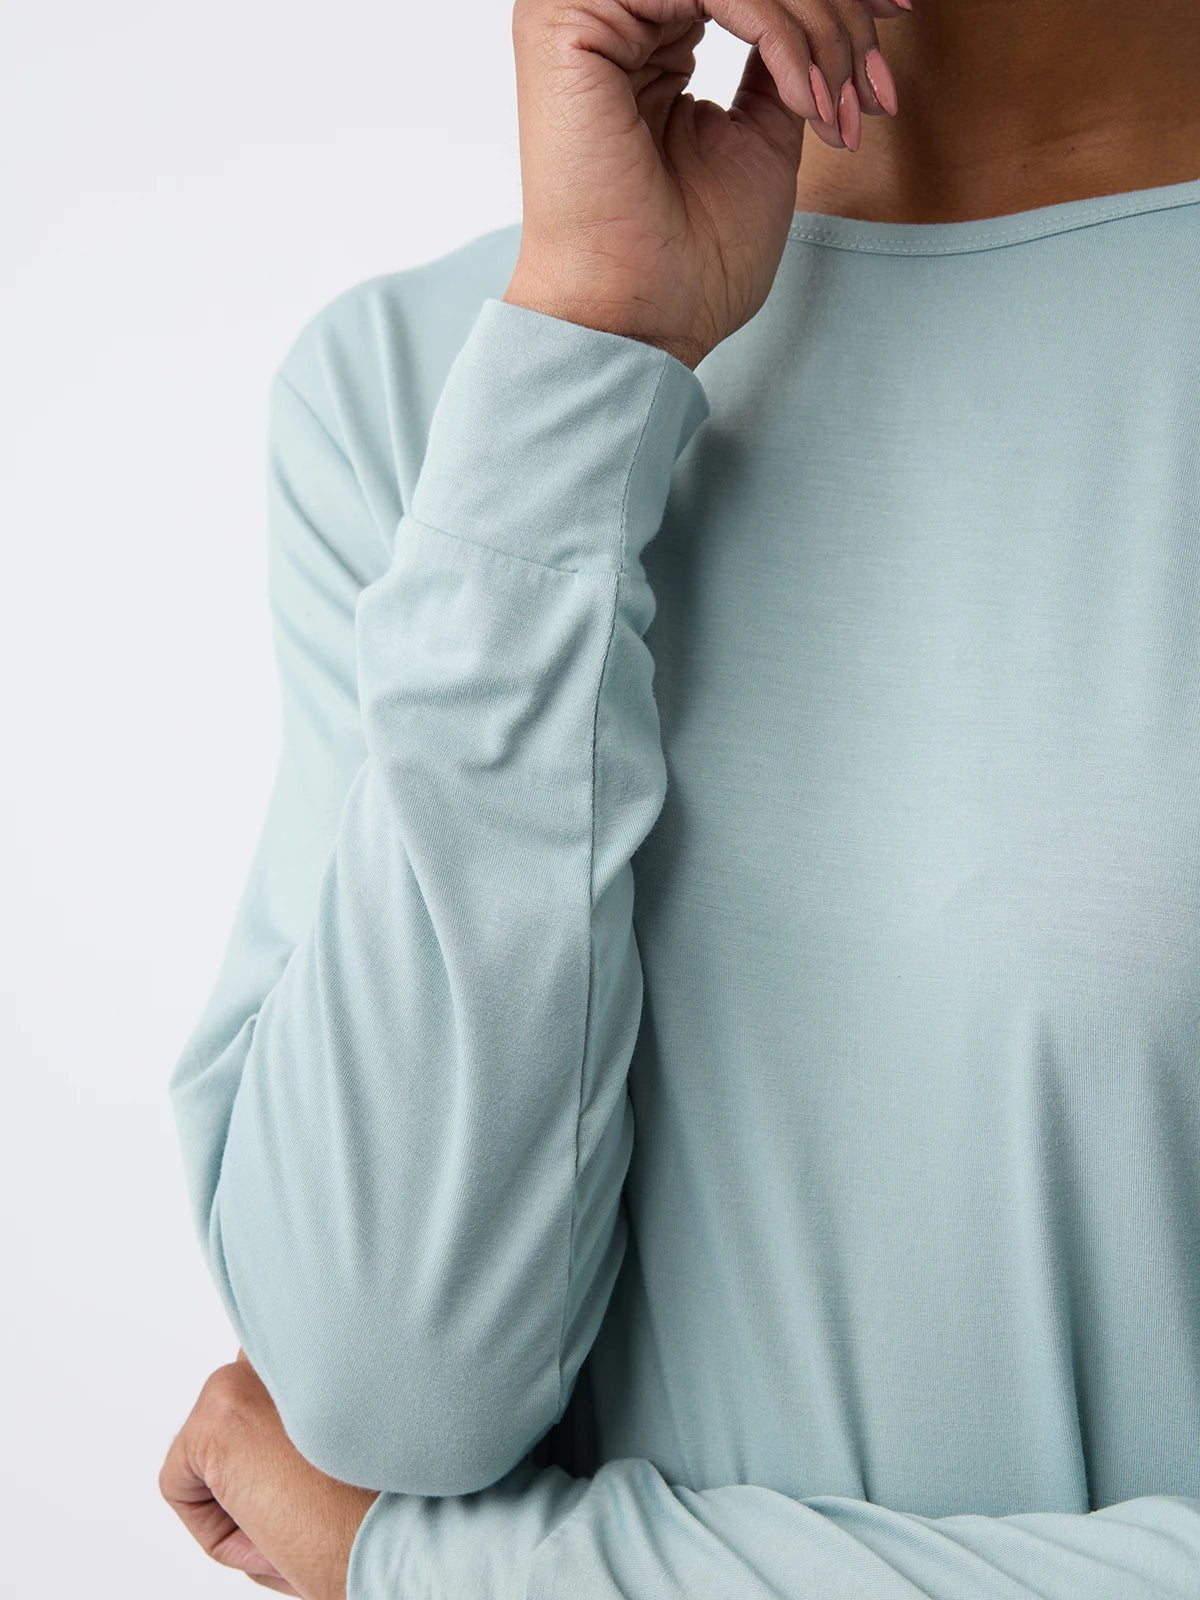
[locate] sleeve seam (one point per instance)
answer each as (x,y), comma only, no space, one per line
(618,577)
(359,579)
(587,1014)
(286,383)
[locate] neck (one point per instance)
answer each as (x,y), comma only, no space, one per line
(1006,105)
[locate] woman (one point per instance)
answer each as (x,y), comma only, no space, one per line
(823,1221)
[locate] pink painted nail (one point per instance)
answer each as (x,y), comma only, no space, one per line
(879,75)
(821,93)
(849,116)
(905,4)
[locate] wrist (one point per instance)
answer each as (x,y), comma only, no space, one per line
(534,296)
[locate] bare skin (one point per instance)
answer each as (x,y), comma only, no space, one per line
(651,213)
(1012,104)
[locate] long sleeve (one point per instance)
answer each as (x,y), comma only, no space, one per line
(404,1113)
(627,1534)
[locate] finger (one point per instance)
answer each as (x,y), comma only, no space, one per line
(657,101)
(779,38)
(828,133)
(873,83)
(823,27)
(794,39)
(835,37)
(181,1480)
(758,105)
(184,1486)
(658,85)
(677,53)
(279,1584)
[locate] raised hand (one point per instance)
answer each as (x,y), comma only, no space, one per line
(653,214)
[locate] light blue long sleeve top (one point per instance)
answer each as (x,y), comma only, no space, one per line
(702,1095)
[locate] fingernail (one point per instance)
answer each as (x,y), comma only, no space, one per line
(879,75)
(906,5)
(849,116)
(821,92)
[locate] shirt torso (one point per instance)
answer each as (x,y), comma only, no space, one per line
(916,1178)
(915,1185)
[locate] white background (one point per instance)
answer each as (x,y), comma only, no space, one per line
(180,189)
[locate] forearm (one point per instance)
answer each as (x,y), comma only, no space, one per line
(628,1534)
(406,1158)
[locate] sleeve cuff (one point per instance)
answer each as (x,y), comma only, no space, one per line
(555,442)
(446,1548)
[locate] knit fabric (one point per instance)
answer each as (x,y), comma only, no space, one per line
(702,1095)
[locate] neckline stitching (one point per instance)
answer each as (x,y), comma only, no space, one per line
(834,238)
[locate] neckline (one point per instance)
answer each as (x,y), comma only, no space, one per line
(984,233)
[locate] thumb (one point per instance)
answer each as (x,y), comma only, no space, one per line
(758,105)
